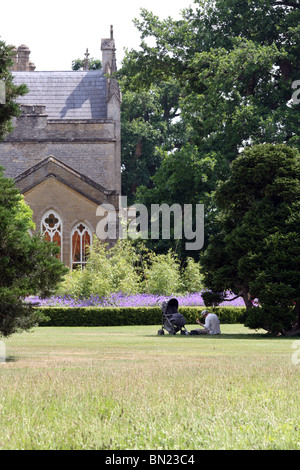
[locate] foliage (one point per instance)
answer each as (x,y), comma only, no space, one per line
(121,316)
(94,64)
(129,268)
(233,63)
(150,127)
(256,253)
(10,108)
(236,61)
(163,274)
(28,265)
(186,176)
(192,278)
(108,270)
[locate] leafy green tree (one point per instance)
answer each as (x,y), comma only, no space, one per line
(10,108)
(186,176)
(28,264)
(235,62)
(256,253)
(150,127)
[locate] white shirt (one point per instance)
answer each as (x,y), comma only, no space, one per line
(212,324)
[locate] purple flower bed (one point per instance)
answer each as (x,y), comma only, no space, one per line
(123,300)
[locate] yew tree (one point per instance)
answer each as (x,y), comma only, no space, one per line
(256,252)
(28,264)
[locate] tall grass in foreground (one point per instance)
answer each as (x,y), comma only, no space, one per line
(126,388)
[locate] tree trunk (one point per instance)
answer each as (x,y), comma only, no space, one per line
(247,297)
(297,310)
(295,331)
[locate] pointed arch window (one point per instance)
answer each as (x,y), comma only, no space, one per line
(81,240)
(51,228)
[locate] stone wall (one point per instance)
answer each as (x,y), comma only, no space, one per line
(65,150)
(89,146)
(52,194)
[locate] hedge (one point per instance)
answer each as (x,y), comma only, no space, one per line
(121,316)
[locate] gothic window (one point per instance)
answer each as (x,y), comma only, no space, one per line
(81,239)
(51,228)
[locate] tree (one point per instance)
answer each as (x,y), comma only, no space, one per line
(256,252)
(93,64)
(10,108)
(235,62)
(186,176)
(149,128)
(28,264)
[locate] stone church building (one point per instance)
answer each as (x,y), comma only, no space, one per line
(65,151)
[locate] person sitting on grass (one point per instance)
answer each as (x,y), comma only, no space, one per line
(211,325)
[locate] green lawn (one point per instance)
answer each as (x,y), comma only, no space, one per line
(128,388)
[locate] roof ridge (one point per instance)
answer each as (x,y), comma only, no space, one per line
(67,167)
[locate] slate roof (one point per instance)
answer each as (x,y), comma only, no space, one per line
(66,95)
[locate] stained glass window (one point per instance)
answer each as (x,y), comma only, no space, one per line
(81,239)
(51,228)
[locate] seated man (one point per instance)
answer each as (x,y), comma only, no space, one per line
(211,325)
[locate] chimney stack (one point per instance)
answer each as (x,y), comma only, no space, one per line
(21,62)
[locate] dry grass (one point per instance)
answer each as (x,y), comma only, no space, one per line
(127,388)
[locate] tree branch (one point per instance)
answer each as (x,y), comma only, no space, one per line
(236,297)
(287,4)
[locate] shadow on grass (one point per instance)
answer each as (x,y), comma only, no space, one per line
(237,336)
(10,359)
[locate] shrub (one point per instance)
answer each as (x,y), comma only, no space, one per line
(121,316)
(76,283)
(162,276)
(272,319)
(107,271)
(192,277)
